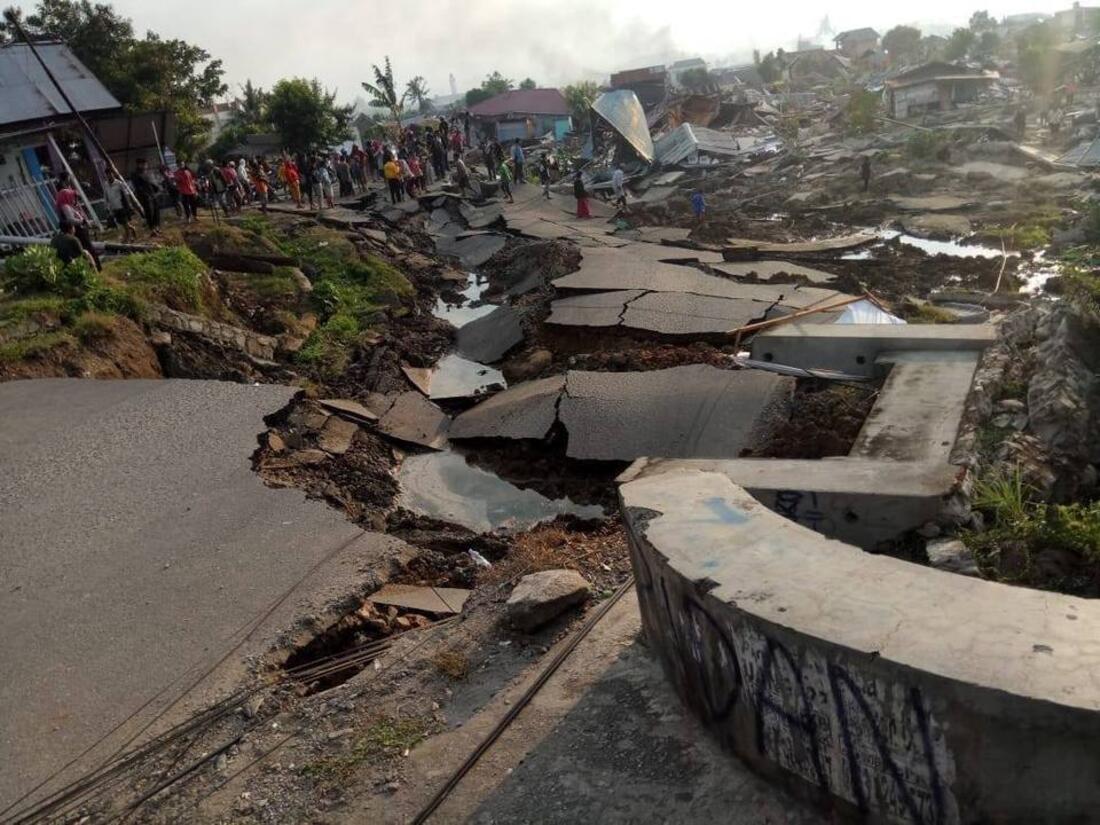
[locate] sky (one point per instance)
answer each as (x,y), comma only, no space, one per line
(552,41)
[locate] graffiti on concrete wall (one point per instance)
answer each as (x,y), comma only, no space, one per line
(804,508)
(844,729)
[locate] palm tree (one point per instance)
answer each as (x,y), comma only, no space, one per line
(251,110)
(417,90)
(385,92)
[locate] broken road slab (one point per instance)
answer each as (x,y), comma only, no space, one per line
(444,600)
(488,338)
(595,309)
(137,543)
(835,244)
(692,411)
(774,271)
(348,408)
(471,251)
(668,313)
(415,419)
(930,203)
(528,410)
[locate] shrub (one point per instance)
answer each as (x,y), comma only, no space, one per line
(94,326)
(38,269)
(861,110)
(172,275)
(925,145)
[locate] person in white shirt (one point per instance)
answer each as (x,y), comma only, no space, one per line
(117,195)
(617,179)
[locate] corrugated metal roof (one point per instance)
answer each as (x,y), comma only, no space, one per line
(1083,154)
(26,93)
(523,101)
(624,113)
(686,140)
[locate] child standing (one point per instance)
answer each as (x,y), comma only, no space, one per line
(698,205)
(506,181)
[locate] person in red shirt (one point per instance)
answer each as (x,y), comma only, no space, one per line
(189,193)
(229,172)
(456,144)
(293,180)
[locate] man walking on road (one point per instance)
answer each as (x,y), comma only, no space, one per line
(517,160)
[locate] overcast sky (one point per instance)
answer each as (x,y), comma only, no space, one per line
(552,41)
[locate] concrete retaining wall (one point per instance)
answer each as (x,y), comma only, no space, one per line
(252,343)
(886,691)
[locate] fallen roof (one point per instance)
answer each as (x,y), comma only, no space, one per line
(1086,153)
(623,112)
(523,101)
(687,139)
(29,95)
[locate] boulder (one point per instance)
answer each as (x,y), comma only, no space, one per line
(541,597)
(952,556)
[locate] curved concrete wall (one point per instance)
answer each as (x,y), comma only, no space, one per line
(888,691)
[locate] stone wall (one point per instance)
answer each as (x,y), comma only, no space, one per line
(883,690)
(252,343)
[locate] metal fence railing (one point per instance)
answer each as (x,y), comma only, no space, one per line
(27,210)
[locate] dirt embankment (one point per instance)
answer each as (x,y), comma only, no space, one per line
(115,348)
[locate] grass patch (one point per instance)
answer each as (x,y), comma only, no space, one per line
(929,314)
(172,276)
(94,326)
(384,740)
(33,346)
(20,309)
(452,663)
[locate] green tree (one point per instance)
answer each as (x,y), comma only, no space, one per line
(251,109)
(768,68)
(306,115)
(579,96)
(417,90)
(861,110)
(1036,59)
(959,44)
(987,45)
(145,74)
(496,84)
(528,83)
(980,21)
(476,96)
(901,42)
(384,92)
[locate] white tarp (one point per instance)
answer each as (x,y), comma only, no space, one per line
(865,312)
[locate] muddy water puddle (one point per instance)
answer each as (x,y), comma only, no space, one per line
(470,308)
(955,248)
(1036,274)
(444,486)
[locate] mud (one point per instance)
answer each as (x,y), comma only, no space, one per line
(822,421)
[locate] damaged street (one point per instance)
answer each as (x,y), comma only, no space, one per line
(711,440)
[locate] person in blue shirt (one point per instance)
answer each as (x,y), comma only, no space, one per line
(698,205)
(517,161)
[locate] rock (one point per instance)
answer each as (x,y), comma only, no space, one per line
(402,623)
(952,556)
(539,598)
(308,417)
(929,530)
(289,344)
(337,435)
(304,284)
(160,338)
(529,367)
(1010,405)
(275,443)
(303,458)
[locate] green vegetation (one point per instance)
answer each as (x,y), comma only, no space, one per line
(924,145)
(1082,287)
(1050,546)
(33,345)
(38,269)
(171,275)
(386,739)
(93,326)
(861,110)
(926,313)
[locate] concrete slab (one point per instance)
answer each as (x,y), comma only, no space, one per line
(454,377)
(596,309)
(524,411)
(834,244)
(658,234)
(139,545)
(471,251)
(444,600)
(661,277)
(679,313)
(774,271)
(931,203)
(853,348)
(488,338)
(908,680)
(349,409)
(692,411)
(917,413)
(415,419)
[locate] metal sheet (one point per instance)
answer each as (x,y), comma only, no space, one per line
(623,112)
(28,93)
(687,140)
